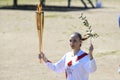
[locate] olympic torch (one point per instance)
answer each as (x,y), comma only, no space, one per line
(40,25)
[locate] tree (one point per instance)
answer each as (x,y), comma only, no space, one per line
(42,2)
(15,3)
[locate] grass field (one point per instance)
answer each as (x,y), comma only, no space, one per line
(53,2)
(19,40)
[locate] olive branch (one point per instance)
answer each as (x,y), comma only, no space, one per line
(89,31)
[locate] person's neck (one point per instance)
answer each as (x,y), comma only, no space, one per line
(75,51)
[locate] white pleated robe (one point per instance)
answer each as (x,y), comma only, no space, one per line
(76,67)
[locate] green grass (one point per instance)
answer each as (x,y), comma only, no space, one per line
(5,2)
(112,0)
(10,2)
(51,2)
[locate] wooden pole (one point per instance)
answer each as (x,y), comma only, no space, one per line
(40,25)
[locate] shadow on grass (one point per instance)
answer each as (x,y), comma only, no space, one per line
(46,8)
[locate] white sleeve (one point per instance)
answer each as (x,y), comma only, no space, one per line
(58,67)
(90,66)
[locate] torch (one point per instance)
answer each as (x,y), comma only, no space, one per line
(40,25)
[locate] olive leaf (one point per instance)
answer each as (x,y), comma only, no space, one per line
(89,30)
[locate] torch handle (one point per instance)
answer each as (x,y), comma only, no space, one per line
(40,26)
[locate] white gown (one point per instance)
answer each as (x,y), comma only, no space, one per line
(76,67)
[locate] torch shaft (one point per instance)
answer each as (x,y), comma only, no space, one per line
(40,26)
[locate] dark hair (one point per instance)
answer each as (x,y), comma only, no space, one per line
(80,37)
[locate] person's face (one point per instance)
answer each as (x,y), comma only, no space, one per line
(75,42)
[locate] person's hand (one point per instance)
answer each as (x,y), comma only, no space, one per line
(91,48)
(42,57)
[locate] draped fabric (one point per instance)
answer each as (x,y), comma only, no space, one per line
(76,67)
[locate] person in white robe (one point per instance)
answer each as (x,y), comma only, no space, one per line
(77,64)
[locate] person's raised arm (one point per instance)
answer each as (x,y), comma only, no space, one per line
(91,48)
(90,66)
